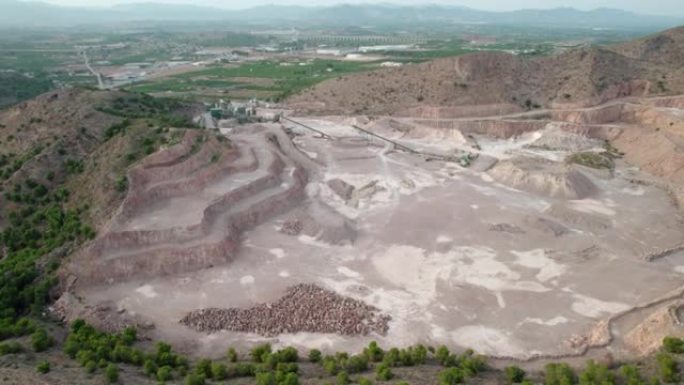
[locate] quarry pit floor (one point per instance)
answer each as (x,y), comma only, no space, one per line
(453,255)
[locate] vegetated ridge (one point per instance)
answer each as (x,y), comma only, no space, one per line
(506,83)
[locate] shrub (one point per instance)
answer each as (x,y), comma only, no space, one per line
(559,374)
(259,351)
(164,373)
(41,341)
(596,374)
(231,354)
(632,375)
(43,367)
(442,355)
(265,378)
(194,379)
(357,364)
(451,376)
(112,373)
(203,367)
(383,373)
(514,374)
(290,379)
(288,354)
(150,367)
(91,366)
(343,378)
(315,355)
(10,348)
(219,372)
(673,345)
(668,368)
(374,352)
(365,381)
(330,365)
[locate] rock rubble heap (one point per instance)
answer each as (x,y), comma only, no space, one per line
(303,308)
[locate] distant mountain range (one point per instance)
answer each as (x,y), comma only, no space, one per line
(14,13)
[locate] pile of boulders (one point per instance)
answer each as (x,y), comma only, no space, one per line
(303,308)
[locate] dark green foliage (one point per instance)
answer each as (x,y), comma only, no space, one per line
(632,375)
(232,355)
(150,367)
(194,379)
(442,355)
(203,367)
(165,373)
(514,374)
(342,378)
(451,376)
(330,365)
(10,348)
(383,372)
(315,355)
(266,378)
(290,379)
(74,166)
(243,370)
(559,374)
(121,183)
(288,354)
(41,341)
(259,351)
(668,368)
(356,364)
(43,367)
(374,352)
(673,345)
(219,372)
(596,374)
(163,111)
(112,373)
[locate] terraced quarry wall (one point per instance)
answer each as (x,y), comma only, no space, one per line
(188,205)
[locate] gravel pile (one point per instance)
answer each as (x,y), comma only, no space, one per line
(303,308)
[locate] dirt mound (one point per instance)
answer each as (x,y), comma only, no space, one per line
(543,177)
(559,139)
(303,308)
(647,336)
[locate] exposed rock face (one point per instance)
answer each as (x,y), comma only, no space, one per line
(188,205)
(303,308)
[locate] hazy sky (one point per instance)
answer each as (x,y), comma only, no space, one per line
(663,7)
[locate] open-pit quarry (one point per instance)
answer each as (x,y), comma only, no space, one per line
(437,227)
